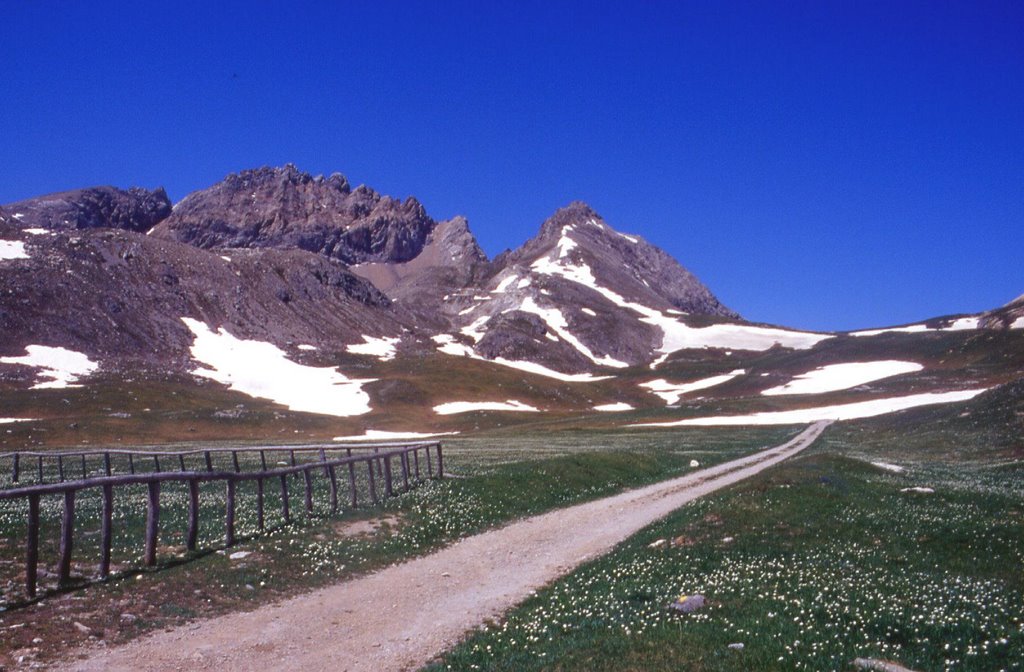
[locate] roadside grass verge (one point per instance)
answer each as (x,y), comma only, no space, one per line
(493,481)
(808,565)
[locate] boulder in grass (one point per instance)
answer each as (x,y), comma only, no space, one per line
(687,604)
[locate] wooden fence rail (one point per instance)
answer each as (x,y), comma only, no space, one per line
(66,465)
(378,461)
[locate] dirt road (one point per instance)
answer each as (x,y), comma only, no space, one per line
(401,617)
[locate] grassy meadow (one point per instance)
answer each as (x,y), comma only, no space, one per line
(823,559)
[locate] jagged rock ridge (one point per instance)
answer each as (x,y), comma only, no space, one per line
(134,209)
(286,208)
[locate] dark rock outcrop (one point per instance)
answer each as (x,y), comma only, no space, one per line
(285,208)
(134,209)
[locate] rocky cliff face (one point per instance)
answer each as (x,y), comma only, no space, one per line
(286,208)
(134,209)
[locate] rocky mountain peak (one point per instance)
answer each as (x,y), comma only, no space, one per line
(286,208)
(134,209)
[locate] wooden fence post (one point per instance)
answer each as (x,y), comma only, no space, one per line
(106,530)
(334,489)
(284,499)
(152,522)
(16,467)
(430,462)
(192,535)
(308,478)
(440,462)
(60,467)
(229,516)
(32,546)
(234,460)
(85,474)
(67,528)
(181,461)
(352,476)
(373,485)
(106,463)
(131,463)
(416,462)
(209,460)
(388,490)
(40,468)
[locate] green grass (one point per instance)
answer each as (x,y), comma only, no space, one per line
(809,565)
(494,481)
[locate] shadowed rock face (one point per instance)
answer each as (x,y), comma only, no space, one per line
(286,208)
(134,209)
(1004,316)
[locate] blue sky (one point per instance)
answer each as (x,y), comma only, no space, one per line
(821,165)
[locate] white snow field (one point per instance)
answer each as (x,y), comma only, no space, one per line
(12,249)
(448,345)
(382,348)
(617,407)
(675,334)
(835,377)
(960,324)
(262,370)
(799,416)
(671,392)
(453,407)
(62,366)
(380,435)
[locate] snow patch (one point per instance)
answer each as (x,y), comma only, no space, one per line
(380,435)
(453,407)
(262,370)
(671,392)
(960,324)
(473,330)
(963,324)
(614,408)
(4,421)
(504,284)
(382,348)
(12,249)
(675,334)
(800,416)
(588,311)
(523,283)
(919,490)
(305,346)
(449,346)
(540,370)
(1018,323)
(37,232)
(62,366)
(226,258)
(843,376)
(556,321)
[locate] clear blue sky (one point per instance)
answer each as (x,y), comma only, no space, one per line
(818,164)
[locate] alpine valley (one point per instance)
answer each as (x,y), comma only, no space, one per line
(279,306)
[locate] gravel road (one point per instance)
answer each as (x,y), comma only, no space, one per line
(401,617)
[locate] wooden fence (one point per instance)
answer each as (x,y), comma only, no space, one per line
(376,460)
